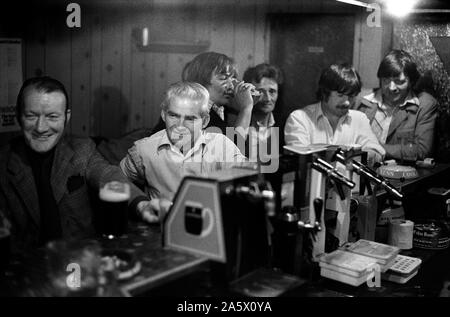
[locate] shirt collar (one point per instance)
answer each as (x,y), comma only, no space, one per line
(165,142)
(220,110)
(376,97)
(256,123)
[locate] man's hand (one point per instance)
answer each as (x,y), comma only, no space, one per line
(154,210)
(243,99)
(149,210)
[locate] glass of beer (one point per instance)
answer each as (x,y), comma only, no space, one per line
(408,150)
(114,198)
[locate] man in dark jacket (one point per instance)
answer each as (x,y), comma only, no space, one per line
(46,178)
(401,117)
(263,138)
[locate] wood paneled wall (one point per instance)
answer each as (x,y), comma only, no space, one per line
(115,87)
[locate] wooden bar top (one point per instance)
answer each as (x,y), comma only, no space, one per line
(27,274)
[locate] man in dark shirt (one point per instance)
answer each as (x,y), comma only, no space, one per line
(263,137)
(46,178)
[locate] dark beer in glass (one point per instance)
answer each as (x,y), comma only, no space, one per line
(114,198)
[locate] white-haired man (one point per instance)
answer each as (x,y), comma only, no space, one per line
(160,162)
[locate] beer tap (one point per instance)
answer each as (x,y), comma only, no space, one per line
(314,228)
(367,172)
(294,237)
(334,175)
(258,191)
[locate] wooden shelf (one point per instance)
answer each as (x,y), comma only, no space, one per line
(175,47)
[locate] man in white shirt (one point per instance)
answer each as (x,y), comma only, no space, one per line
(330,121)
(160,162)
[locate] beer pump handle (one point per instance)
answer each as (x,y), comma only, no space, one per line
(327,169)
(318,205)
(367,172)
(340,190)
(392,190)
(377,179)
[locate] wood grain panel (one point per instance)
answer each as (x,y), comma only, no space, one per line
(96,74)
(113,116)
(261,41)
(81,79)
(58,51)
(117,87)
(222,28)
(35,43)
(244,34)
(132,121)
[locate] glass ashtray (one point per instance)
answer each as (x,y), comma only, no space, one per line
(122,262)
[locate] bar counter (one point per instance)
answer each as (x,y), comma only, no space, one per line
(169,273)
(27,274)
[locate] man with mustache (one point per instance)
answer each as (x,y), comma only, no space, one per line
(160,162)
(397,113)
(46,178)
(330,121)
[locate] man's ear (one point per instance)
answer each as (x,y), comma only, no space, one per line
(68,115)
(163,117)
(205,121)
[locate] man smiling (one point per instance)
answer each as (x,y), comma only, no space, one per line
(397,113)
(330,121)
(183,148)
(43,133)
(45,177)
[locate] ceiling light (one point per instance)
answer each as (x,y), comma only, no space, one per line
(399,8)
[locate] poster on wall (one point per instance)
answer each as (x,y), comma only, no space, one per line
(10,82)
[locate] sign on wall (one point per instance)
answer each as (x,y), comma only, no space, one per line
(10,82)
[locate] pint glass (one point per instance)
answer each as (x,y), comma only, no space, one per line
(114,198)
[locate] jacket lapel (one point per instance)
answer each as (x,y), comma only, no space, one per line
(21,176)
(400,115)
(369,108)
(61,169)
